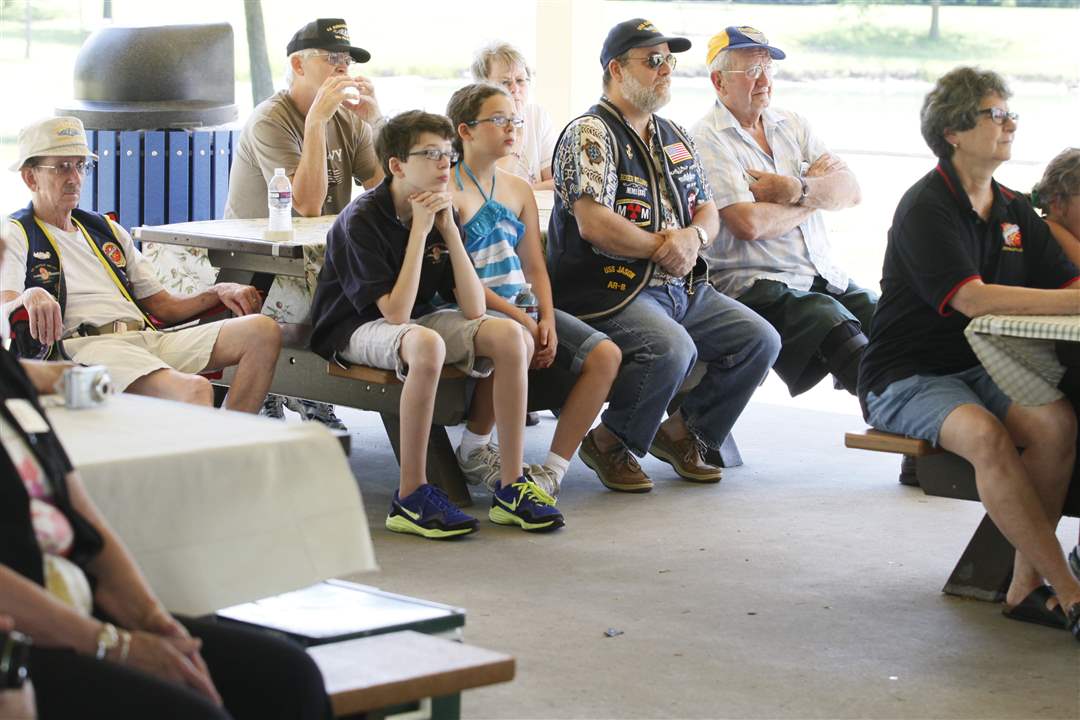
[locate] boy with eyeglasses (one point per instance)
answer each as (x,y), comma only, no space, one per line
(390,253)
(321,130)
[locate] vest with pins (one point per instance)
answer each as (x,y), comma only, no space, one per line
(45,268)
(591,285)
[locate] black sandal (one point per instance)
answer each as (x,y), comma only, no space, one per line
(1033,609)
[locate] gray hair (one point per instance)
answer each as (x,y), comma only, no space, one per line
(724,60)
(953,104)
(1060,179)
(290,76)
(506,52)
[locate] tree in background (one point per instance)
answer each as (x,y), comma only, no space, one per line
(935,29)
(262,86)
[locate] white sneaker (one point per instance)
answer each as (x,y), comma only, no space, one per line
(545,478)
(482,466)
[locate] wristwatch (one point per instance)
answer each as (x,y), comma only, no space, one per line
(702,236)
(107,639)
(805,191)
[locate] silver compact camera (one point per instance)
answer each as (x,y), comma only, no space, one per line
(86,387)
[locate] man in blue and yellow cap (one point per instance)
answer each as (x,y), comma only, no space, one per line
(771,177)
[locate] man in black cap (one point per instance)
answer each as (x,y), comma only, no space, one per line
(321,130)
(633,210)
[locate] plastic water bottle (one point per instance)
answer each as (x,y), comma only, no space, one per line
(279,200)
(528,303)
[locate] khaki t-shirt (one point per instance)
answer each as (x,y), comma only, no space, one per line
(273,138)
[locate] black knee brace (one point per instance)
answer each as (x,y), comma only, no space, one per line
(841,351)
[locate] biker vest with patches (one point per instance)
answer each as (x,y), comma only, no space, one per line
(592,285)
(44,266)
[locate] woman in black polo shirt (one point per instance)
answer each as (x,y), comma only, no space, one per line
(962,245)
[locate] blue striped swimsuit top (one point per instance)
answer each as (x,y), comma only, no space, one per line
(491,239)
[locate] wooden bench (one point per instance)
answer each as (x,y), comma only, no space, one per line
(376,675)
(302,373)
(985,568)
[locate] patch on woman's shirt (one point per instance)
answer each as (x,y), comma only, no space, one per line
(1011,233)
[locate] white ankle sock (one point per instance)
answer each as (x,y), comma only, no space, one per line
(557,463)
(471,441)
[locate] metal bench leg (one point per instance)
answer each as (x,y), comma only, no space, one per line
(442,467)
(727,456)
(985,569)
(446,707)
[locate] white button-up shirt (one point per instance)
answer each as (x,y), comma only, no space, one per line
(727,151)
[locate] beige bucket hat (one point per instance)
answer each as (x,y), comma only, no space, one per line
(62,136)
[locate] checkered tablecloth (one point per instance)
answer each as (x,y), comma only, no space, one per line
(1018,352)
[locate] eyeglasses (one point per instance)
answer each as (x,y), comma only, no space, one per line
(754,71)
(337,59)
(499,121)
(998,115)
(655,60)
(511,83)
(435,155)
(65,168)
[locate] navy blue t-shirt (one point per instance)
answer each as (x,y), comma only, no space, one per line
(937,243)
(365,249)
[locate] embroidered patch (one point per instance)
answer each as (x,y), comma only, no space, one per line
(677,153)
(1011,233)
(636,211)
(436,253)
(42,254)
(46,274)
(112,251)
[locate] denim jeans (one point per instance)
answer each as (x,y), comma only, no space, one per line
(662,333)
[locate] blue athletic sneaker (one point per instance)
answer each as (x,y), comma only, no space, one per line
(524,503)
(427,512)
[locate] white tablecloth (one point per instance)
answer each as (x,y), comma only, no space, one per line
(219,508)
(1018,353)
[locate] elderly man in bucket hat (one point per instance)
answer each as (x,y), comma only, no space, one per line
(321,130)
(633,210)
(771,177)
(81,280)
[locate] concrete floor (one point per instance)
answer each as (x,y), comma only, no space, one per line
(805,585)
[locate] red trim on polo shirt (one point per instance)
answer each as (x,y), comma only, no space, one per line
(1071,282)
(941,308)
(945,176)
(1009,194)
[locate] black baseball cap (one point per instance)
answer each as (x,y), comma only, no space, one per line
(636,33)
(330,34)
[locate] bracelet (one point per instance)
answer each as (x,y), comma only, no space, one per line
(125,645)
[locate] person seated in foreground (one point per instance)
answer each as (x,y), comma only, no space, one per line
(961,245)
(103,644)
(81,280)
(530,155)
(502,236)
(1057,194)
(387,256)
(321,130)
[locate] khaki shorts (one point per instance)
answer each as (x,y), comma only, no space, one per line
(378,343)
(131,355)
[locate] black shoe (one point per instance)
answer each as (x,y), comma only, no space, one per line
(908,476)
(532,419)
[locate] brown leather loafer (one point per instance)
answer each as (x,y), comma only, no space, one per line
(685,456)
(618,468)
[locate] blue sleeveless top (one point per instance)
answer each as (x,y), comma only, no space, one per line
(491,239)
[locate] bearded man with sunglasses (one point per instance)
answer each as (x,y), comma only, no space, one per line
(771,176)
(321,130)
(633,210)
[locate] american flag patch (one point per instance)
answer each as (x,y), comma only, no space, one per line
(677,153)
